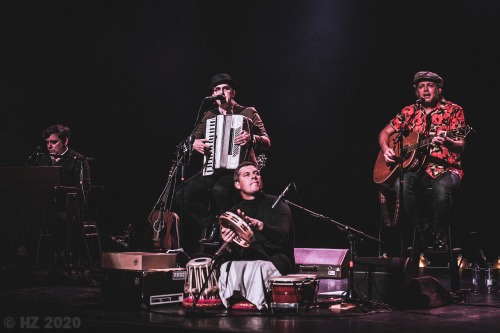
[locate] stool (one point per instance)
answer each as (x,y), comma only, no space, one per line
(44,235)
(91,243)
(208,248)
(451,253)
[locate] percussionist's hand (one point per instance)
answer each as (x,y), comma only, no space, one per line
(243,139)
(227,234)
(200,146)
(254,223)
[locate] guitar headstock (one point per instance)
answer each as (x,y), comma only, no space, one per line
(261,161)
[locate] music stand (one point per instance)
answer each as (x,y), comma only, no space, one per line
(33,183)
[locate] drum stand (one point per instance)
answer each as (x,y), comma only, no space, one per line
(352,234)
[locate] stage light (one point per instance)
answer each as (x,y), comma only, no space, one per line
(462,262)
(423,262)
(496,263)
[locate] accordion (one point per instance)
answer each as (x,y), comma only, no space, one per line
(221,131)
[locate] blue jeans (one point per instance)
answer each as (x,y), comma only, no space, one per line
(443,188)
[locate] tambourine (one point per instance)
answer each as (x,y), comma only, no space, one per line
(244,233)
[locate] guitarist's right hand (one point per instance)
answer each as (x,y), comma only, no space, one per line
(389,155)
(383,141)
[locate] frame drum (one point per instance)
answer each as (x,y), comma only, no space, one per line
(244,234)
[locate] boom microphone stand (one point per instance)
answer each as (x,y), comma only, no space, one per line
(213,266)
(187,145)
(398,140)
(352,235)
(161,204)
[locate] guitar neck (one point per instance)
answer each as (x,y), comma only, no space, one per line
(425,142)
(419,144)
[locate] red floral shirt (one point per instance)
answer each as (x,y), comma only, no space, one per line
(445,116)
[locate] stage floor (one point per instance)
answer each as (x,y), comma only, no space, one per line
(43,301)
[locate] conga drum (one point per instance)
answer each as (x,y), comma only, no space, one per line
(310,289)
(290,292)
(198,271)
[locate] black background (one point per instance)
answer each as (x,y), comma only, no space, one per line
(128,78)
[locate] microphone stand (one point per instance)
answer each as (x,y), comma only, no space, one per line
(400,160)
(162,202)
(183,153)
(187,145)
(213,265)
(352,235)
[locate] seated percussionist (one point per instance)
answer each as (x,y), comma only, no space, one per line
(246,271)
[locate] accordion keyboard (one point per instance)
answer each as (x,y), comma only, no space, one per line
(208,163)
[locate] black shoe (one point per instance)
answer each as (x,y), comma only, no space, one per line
(125,238)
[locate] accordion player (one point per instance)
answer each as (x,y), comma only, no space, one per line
(221,131)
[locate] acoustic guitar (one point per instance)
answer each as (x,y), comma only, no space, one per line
(413,154)
(165,223)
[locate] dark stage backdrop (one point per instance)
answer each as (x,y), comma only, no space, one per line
(128,78)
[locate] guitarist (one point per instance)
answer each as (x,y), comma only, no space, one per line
(442,170)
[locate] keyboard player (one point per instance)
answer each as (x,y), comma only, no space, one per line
(219,185)
(71,198)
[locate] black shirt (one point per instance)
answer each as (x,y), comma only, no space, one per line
(71,163)
(276,241)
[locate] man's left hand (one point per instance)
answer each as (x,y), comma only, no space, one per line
(243,139)
(439,140)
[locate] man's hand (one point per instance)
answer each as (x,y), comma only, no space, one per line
(243,139)
(227,234)
(455,145)
(389,155)
(438,140)
(200,146)
(254,223)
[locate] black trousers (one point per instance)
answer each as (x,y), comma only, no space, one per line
(219,188)
(443,188)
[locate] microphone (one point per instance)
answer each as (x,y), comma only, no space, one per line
(214,98)
(281,196)
(35,153)
(419,101)
(189,147)
(190,143)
